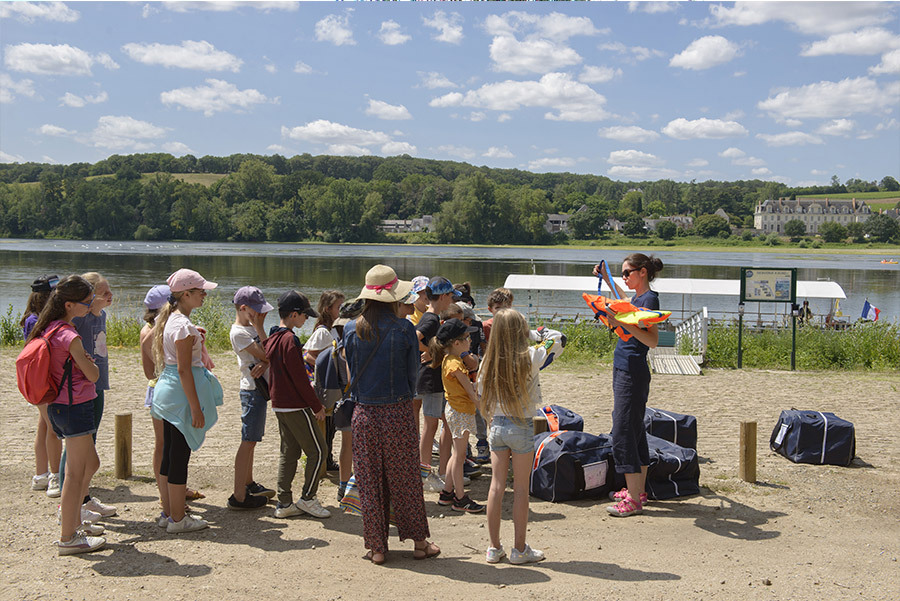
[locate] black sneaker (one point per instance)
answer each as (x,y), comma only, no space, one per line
(446,497)
(341,491)
(471,469)
(254,488)
(466,504)
(249,502)
(332,466)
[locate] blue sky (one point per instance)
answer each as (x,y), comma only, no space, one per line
(790,91)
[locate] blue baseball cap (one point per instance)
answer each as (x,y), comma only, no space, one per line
(440,285)
(157,297)
(253,298)
(420,283)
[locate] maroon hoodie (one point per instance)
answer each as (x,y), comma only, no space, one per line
(289,385)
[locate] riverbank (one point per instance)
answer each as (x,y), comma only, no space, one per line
(801,532)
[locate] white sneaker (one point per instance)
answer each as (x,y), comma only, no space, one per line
(97,507)
(432,483)
(163,520)
(86,515)
(92,529)
(39,482)
(189,523)
(81,544)
(313,508)
(529,555)
(53,487)
(495,554)
(287,511)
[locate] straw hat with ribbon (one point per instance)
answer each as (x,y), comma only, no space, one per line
(382,284)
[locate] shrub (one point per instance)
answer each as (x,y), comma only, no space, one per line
(10,331)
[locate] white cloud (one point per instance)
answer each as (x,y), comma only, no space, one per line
(302,68)
(189,55)
(634,158)
(391,34)
(828,99)
(463,152)
(335,29)
(628,133)
(748,162)
(592,74)
(5,157)
(807,17)
(271,68)
(698,162)
(348,150)
(180,6)
(48,159)
(568,99)
(790,138)
(216,96)
(818,172)
(871,40)
(503,117)
(495,152)
(641,173)
(652,7)
(337,137)
(761,171)
(448,26)
(54,130)
(10,88)
(383,110)
(634,53)
(279,149)
(148,10)
(177,148)
(395,148)
(837,127)
(476,116)
(706,52)
(433,80)
(703,128)
(890,64)
(75,101)
(555,26)
(121,133)
(732,153)
(551,164)
(47,59)
(32,11)
(530,56)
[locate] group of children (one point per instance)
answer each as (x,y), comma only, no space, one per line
(469,372)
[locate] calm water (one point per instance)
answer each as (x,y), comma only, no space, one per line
(132,267)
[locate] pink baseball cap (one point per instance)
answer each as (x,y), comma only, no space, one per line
(185,279)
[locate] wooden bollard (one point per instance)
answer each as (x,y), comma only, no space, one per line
(540,425)
(123,445)
(748,452)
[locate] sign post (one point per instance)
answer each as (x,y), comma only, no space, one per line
(767,285)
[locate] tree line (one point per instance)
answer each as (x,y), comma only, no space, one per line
(344,199)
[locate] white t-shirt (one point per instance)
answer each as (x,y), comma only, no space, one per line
(241,338)
(321,339)
(179,327)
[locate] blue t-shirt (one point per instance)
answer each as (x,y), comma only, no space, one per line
(632,355)
(92,329)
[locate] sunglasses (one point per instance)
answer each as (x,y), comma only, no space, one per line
(628,272)
(87,304)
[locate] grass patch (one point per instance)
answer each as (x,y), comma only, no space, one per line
(857,195)
(207,179)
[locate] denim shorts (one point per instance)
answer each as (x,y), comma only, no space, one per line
(433,404)
(512,434)
(253,415)
(71,421)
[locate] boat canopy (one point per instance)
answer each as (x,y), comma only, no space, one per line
(685,286)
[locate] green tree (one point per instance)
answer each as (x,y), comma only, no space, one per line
(667,192)
(794,229)
(632,202)
(832,231)
(249,222)
(666,230)
(882,228)
(889,184)
(709,226)
(856,231)
(634,226)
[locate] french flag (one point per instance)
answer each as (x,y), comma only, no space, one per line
(870,312)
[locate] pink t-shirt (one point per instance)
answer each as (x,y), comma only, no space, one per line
(83,390)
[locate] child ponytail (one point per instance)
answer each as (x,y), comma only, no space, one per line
(159,327)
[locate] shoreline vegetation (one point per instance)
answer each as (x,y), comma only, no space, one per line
(865,346)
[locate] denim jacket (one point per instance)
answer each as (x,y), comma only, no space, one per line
(391,374)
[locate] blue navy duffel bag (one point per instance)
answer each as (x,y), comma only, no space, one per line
(571,465)
(814,437)
(674,470)
(674,427)
(560,418)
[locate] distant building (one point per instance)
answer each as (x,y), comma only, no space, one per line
(684,222)
(557,222)
(614,225)
(402,226)
(721,213)
(771,215)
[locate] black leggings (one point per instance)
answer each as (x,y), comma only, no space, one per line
(176,454)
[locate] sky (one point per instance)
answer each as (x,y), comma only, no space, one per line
(794,92)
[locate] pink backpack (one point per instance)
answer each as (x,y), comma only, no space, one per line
(33,370)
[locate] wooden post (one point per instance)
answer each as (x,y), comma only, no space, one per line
(123,445)
(748,452)
(540,425)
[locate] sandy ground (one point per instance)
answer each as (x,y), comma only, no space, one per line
(800,532)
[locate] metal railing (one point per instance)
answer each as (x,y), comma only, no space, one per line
(694,330)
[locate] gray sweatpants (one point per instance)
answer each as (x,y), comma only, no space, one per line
(299,434)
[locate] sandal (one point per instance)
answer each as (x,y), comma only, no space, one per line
(371,557)
(426,551)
